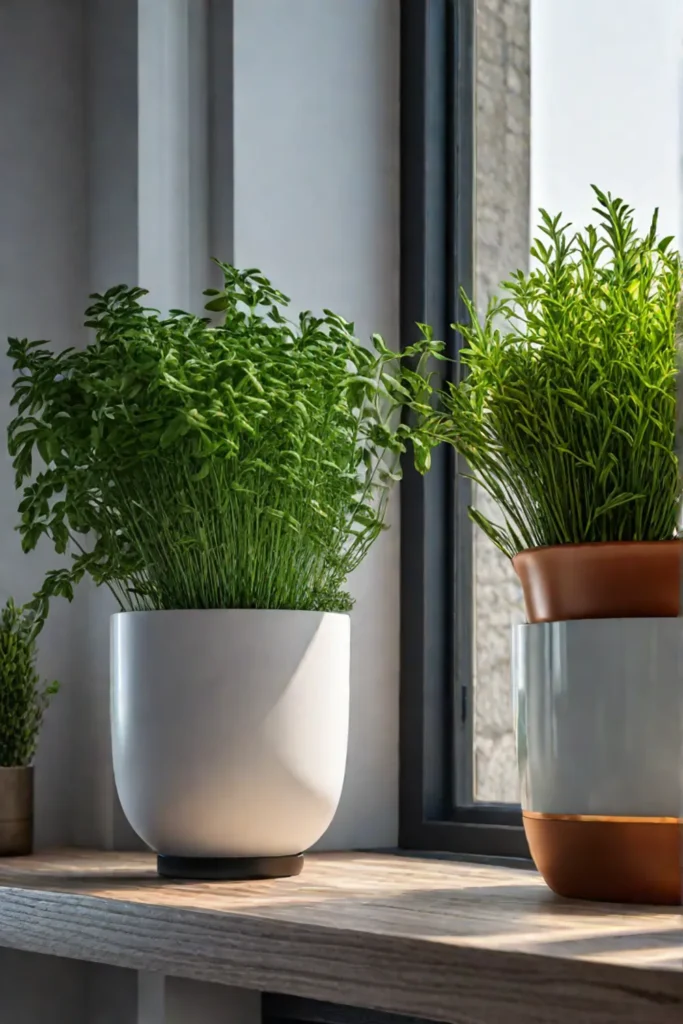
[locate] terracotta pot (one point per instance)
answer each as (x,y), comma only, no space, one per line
(613,580)
(16,811)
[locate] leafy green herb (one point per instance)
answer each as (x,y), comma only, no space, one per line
(241,464)
(566,417)
(23,698)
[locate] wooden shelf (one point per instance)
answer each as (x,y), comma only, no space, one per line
(462,943)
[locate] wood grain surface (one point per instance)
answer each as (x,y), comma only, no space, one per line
(462,943)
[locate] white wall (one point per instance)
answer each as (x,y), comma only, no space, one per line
(605,101)
(315,197)
(316,207)
(42,281)
(308,111)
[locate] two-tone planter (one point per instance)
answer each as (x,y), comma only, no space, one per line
(230,734)
(599,719)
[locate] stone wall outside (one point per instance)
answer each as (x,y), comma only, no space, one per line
(501,245)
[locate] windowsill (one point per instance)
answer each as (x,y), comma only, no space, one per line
(432,938)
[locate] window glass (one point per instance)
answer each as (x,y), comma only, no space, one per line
(592,94)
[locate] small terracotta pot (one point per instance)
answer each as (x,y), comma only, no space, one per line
(16,811)
(612,580)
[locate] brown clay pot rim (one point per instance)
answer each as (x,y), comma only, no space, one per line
(598,544)
(589,591)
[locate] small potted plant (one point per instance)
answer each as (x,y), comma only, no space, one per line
(566,418)
(230,476)
(23,700)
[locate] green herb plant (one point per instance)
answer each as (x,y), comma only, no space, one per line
(185,463)
(566,414)
(23,697)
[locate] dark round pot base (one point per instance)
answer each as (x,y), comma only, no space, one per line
(229,869)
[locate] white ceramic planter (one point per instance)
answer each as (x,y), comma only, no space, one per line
(599,723)
(229,732)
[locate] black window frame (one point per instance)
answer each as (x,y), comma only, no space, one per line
(437,259)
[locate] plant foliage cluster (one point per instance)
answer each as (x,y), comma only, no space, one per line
(23,697)
(566,415)
(244,460)
(187,463)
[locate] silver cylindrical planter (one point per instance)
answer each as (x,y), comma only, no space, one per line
(16,811)
(230,733)
(599,736)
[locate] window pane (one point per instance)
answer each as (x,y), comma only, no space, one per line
(502,155)
(569,93)
(497,605)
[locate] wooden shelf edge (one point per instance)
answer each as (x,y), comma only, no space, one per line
(283,945)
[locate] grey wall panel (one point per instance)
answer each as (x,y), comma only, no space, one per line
(316,206)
